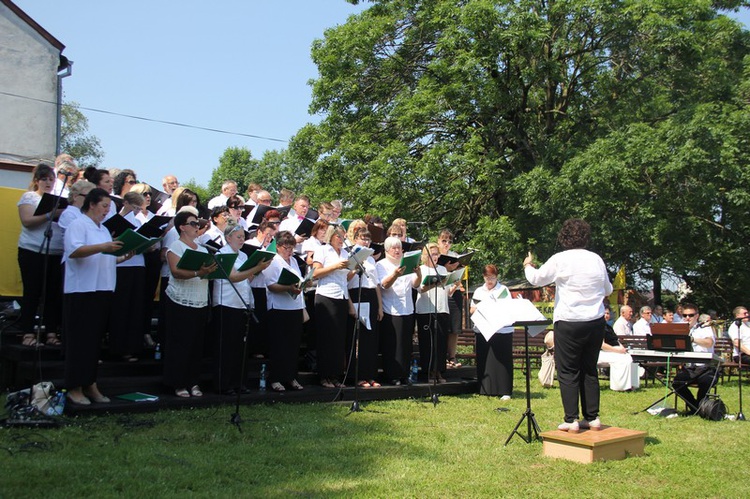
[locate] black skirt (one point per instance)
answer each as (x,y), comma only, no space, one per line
(495,364)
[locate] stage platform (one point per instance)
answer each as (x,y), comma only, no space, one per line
(22,366)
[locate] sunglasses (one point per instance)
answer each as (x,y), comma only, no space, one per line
(689,315)
(132,182)
(194,223)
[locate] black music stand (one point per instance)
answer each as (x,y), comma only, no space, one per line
(528,414)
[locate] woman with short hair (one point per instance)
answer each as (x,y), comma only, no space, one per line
(581,283)
(186,311)
(397,326)
(90,277)
(285,312)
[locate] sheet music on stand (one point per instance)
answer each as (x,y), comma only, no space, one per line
(494,315)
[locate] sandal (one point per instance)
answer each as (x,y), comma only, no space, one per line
(53,341)
(326,383)
(338,384)
(374,384)
(364,384)
(29,340)
(195,391)
(295,385)
(277,387)
(182,392)
(453,363)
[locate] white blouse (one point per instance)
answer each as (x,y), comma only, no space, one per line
(92,273)
(32,238)
(191,292)
(283,300)
(396,299)
(333,285)
(224,293)
(426,301)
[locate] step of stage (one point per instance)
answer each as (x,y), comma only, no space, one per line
(609,444)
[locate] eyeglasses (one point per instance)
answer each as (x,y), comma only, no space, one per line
(287,247)
(689,315)
(193,223)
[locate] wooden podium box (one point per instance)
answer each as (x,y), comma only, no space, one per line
(608,444)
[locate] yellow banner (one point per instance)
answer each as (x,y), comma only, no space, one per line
(10,229)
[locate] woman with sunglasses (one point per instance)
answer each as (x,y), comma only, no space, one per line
(230,316)
(186,310)
(32,247)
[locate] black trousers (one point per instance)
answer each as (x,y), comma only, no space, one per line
(395,345)
(577,346)
(286,331)
(228,330)
(705,377)
(126,321)
(368,338)
(330,319)
(86,320)
(259,339)
(31,265)
(433,342)
(153,268)
(495,364)
(183,352)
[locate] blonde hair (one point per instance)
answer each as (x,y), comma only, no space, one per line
(330,231)
(354,226)
(426,252)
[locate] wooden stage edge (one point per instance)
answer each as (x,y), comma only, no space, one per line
(608,444)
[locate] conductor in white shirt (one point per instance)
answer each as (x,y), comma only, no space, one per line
(582,283)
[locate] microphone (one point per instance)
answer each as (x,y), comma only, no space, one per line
(209,248)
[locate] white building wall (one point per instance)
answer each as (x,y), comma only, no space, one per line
(28,67)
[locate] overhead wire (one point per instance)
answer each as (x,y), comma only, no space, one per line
(143,118)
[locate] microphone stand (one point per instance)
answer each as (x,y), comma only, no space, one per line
(740,415)
(235,418)
(433,329)
(355,333)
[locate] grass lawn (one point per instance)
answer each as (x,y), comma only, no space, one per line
(404,448)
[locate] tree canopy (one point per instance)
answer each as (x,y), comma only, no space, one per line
(75,138)
(499,119)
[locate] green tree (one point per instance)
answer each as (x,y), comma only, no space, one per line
(200,190)
(75,138)
(497,118)
(234,164)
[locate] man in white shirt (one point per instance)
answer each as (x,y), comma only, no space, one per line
(169,183)
(622,325)
(228,189)
(642,326)
(703,375)
(739,332)
(301,205)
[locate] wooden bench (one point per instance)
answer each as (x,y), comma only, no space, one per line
(724,348)
(467,340)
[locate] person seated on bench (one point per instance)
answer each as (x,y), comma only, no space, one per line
(739,332)
(623,372)
(702,375)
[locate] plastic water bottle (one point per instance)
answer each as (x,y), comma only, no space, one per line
(57,404)
(262,384)
(414,372)
(157,351)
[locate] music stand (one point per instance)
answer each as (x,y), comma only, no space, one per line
(528,414)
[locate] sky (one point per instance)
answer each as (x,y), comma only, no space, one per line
(236,65)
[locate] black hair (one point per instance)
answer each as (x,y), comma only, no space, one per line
(95,196)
